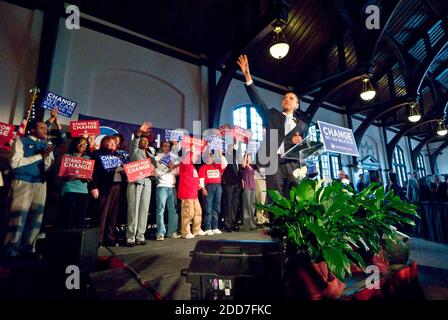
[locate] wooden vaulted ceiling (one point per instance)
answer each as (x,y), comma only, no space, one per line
(329,44)
(325,37)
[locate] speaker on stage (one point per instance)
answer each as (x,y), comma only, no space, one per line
(228,270)
(78,247)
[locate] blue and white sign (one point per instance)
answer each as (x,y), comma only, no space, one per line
(65,106)
(338,139)
(169,158)
(174,135)
(253,146)
(123,155)
(216,143)
(110,162)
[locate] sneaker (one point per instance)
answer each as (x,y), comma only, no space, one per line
(209,233)
(200,233)
(141,242)
(216,231)
(160,237)
(189,236)
(175,235)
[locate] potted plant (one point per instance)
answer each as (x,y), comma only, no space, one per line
(323,228)
(381,213)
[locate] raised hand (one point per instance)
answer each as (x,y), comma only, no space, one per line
(54,113)
(243,62)
(144,128)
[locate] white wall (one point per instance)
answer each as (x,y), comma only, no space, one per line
(19,49)
(114,79)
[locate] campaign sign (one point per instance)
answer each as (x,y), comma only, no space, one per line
(253,146)
(337,139)
(138,169)
(193,143)
(174,135)
(223,129)
(215,143)
(80,168)
(123,155)
(6,133)
(65,106)
(169,158)
(241,134)
(78,128)
(110,162)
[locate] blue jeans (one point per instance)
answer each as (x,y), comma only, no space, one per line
(213,206)
(165,197)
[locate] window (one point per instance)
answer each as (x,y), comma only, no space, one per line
(324,166)
(313,132)
(421,170)
(335,165)
(247,117)
(399,165)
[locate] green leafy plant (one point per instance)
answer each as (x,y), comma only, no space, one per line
(328,223)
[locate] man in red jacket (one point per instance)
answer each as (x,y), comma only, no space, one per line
(188,194)
(211,174)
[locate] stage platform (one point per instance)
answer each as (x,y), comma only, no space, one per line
(158,264)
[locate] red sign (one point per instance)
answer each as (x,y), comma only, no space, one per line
(241,134)
(78,128)
(222,129)
(195,144)
(6,133)
(138,169)
(76,167)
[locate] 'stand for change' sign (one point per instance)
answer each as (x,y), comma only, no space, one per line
(65,106)
(6,133)
(76,167)
(337,139)
(138,169)
(78,128)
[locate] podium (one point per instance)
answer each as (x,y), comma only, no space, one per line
(306,152)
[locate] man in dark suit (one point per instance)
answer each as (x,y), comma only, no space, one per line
(290,130)
(231,187)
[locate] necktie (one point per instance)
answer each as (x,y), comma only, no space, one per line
(289,124)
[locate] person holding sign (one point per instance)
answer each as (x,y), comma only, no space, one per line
(74,192)
(106,187)
(31,158)
(211,174)
(289,126)
(167,170)
(139,192)
(189,186)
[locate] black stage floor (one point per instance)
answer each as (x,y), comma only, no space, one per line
(160,263)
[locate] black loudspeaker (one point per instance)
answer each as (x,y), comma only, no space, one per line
(235,270)
(78,247)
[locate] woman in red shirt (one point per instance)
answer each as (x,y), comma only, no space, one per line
(211,173)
